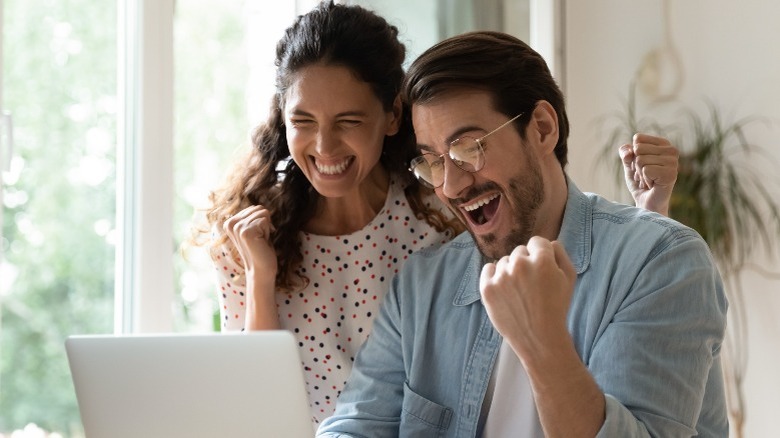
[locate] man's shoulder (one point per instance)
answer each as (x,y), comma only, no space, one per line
(609,214)
(439,261)
(437,275)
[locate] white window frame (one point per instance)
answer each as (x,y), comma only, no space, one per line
(3,146)
(547,35)
(145,247)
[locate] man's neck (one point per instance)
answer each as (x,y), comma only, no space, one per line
(550,218)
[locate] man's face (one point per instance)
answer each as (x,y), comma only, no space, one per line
(499,203)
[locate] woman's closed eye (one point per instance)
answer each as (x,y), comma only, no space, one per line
(349,123)
(302,123)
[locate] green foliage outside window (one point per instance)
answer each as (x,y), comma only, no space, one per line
(60,84)
(211,129)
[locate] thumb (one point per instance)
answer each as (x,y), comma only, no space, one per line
(564,263)
(627,156)
(633,175)
(486,275)
(626,153)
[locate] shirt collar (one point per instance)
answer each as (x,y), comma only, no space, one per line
(575,234)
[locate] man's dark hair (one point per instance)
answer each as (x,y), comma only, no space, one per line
(514,74)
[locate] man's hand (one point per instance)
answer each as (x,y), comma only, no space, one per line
(527,296)
(650,170)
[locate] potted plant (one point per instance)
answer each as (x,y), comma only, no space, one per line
(721,196)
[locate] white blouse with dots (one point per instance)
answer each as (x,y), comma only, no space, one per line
(348,277)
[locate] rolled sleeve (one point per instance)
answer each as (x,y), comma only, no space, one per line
(657,358)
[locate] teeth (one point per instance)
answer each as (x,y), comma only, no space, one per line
(480,203)
(333,169)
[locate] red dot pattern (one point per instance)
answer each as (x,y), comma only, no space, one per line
(348,277)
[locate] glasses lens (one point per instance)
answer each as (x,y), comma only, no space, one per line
(428,169)
(467,153)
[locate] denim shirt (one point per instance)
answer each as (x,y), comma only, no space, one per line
(647,317)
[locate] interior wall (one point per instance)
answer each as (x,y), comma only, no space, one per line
(729,55)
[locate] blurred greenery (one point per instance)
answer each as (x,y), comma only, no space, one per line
(59,216)
(211,124)
(60,85)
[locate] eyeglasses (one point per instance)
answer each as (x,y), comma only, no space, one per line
(468,153)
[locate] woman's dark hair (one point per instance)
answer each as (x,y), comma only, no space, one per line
(330,34)
(512,72)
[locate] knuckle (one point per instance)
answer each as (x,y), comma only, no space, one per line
(227,226)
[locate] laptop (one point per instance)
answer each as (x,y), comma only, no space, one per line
(190,385)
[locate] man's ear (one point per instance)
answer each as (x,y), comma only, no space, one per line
(395,114)
(544,120)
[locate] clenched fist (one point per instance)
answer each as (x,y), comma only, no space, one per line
(527,295)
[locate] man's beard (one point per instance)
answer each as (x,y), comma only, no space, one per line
(524,197)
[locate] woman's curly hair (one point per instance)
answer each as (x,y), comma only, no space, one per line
(330,34)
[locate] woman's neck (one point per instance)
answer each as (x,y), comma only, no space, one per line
(352,212)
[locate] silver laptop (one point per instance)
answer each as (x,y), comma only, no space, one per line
(190,385)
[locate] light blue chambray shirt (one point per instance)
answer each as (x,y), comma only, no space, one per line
(647,317)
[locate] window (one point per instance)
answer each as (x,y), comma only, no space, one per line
(82,148)
(58,228)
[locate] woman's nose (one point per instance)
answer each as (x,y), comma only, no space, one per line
(327,140)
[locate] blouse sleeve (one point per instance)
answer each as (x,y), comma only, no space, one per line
(231,288)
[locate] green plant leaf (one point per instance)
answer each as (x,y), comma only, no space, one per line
(717,192)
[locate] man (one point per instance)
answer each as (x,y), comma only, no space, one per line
(560,313)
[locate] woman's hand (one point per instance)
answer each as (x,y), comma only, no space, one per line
(250,231)
(650,169)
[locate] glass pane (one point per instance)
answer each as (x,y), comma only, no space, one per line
(57,278)
(224,52)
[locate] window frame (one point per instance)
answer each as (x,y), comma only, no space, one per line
(3,145)
(144,282)
(547,35)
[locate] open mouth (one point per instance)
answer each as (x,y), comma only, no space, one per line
(481,211)
(335,168)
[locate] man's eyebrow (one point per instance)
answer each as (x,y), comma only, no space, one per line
(462,130)
(424,148)
(454,136)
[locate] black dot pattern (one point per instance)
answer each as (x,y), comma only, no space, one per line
(348,277)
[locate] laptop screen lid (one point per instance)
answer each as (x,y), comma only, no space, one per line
(190,385)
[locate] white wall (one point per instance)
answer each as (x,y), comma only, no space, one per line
(731,56)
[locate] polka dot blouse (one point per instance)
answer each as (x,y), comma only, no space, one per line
(348,277)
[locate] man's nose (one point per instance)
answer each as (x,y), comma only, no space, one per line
(456,180)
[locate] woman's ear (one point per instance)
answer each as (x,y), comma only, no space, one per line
(544,119)
(395,116)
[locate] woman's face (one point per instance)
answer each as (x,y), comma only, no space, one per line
(335,127)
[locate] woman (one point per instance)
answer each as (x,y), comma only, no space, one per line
(315,221)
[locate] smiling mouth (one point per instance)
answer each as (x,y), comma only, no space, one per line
(483,210)
(333,169)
